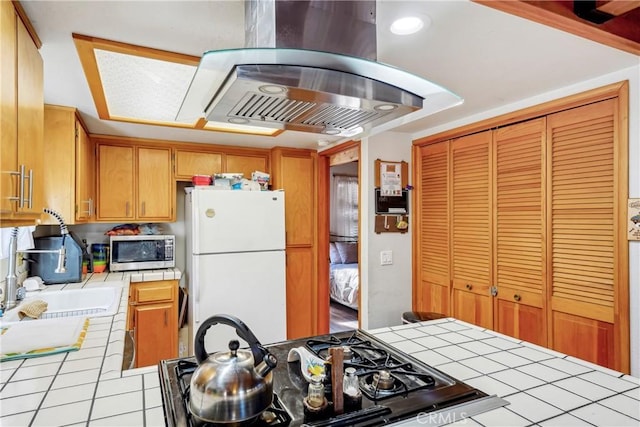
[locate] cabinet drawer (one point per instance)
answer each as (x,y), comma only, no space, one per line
(152,292)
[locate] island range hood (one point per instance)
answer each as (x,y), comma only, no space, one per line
(309,66)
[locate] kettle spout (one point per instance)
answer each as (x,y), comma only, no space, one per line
(269,362)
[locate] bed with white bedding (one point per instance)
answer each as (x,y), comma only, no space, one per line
(344,279)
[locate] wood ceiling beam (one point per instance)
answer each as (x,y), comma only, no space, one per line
(618,7)
(565,20)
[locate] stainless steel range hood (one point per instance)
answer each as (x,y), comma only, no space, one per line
(310,66)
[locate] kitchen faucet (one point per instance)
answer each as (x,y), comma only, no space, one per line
(11,298)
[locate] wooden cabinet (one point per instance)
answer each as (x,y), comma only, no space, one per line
(193,161)
(519,246)
(588,309)
(534,216)
(22,107)
(135,183)
(433,275)
(153,318)
(246,164)
(189,163)
(471,226)
(69,172)
(295,172)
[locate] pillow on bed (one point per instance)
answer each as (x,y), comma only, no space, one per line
(334,255)
(348,252)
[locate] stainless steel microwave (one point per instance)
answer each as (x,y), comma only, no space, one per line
(141,252)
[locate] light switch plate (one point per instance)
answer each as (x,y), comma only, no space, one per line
(386,257)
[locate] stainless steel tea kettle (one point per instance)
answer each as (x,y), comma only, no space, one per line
(232,386)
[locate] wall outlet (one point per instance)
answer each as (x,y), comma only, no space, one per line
(386,257)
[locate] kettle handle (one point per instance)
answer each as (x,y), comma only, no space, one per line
(241,329)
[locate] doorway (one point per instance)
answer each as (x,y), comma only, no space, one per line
(344,281)
(339,267)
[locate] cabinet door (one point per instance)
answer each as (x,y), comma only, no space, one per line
(298,177)
(519,246)
(300,310)
(155,332)
(115,182)
(471,228)
(30,121)
(189,163)
(8,111)
(246,164)
(85,175)
(155,186)
(433,207)
(581,234)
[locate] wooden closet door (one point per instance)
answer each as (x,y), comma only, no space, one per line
(434,280)
(471,229)
(519,246)
(581,233)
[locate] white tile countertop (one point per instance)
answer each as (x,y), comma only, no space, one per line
(543,387)
(88,386)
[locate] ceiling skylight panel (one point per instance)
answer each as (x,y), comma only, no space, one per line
(142,88)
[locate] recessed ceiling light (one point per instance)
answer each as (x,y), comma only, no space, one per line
(407,25)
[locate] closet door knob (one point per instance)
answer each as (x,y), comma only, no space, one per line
(517,297)
(468,286)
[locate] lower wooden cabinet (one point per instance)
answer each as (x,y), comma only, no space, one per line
(153,321)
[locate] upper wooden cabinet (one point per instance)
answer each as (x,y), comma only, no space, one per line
(70,168)
(202,161)
(22,110)
(134,183)
(189,163)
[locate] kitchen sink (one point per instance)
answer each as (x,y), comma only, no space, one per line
(101,299)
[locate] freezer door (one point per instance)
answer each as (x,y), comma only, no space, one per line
(250,286)
(237,221)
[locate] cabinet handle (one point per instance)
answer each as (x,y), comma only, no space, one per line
(90,206)
(21,204)
(517,297)
(17,198)
(468,286)
(126,209)
(166,319)
(88,211)
(30,200)
(143,208)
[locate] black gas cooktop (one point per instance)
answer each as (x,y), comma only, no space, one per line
(394,387)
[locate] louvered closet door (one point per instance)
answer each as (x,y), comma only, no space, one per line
(581,233)
(471,229)
(434,280)
(519,252)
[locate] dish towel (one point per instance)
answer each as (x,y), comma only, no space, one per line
(25,239)
(32,309)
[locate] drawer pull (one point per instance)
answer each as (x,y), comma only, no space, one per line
(468,286)
(517,297)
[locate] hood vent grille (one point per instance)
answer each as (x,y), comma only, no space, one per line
(263,108)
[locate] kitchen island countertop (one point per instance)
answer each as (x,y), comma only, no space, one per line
(543,387)
(86,386)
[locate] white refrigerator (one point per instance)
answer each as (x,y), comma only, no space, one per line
(235,263)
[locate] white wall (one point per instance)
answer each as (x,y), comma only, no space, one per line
(386,290)
(633,76)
